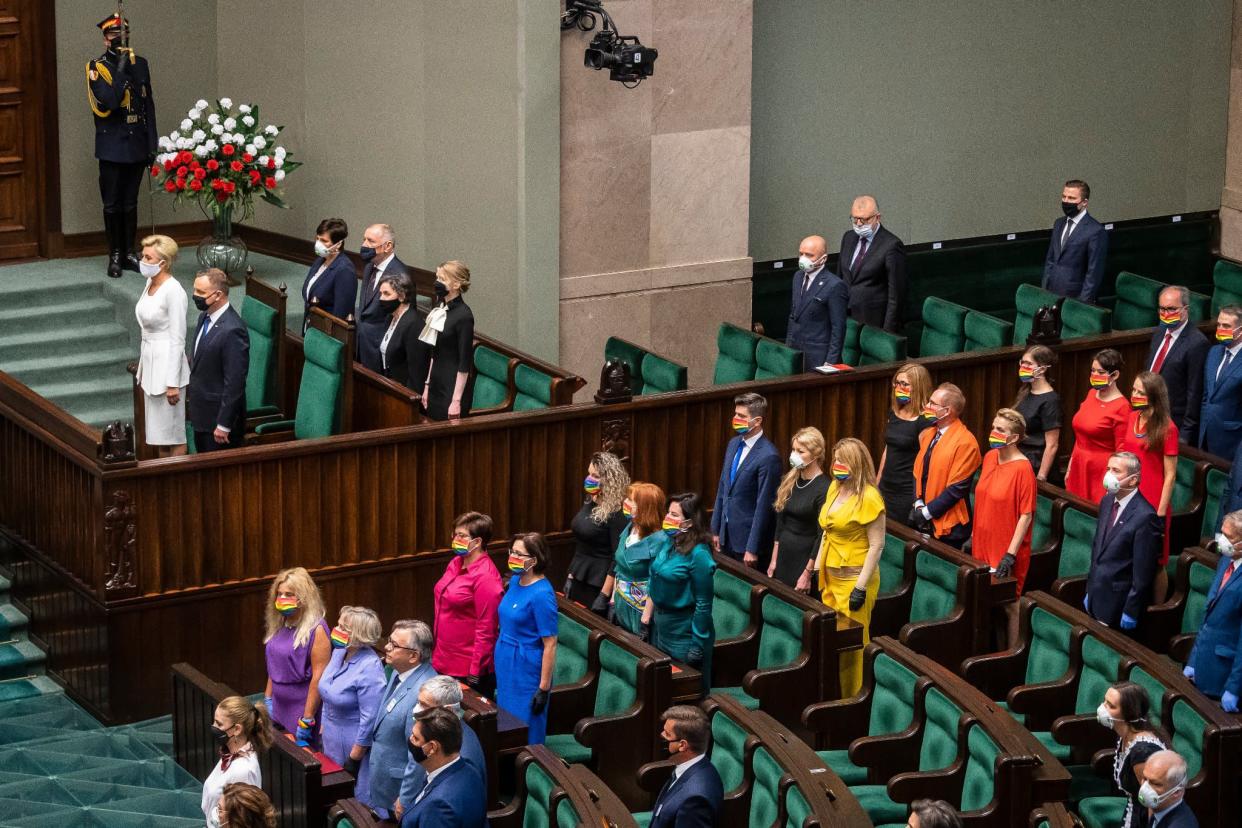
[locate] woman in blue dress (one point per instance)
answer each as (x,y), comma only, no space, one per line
(681,587)
(525,655)
(641,543)
(351,688)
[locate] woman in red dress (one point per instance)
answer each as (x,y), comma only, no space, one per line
(1099,427)
(1152,435)
(1005,509)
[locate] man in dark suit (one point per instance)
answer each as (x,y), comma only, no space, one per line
(1231,497)
(1177,352)
(1220,421)
(1125,550)
(454,796)
(743,520)
(873,265)
(692,796)
(378,252)
(441,691)
(818,307)
(1078,249)
(1163,792)
(219,362)
(1215,663)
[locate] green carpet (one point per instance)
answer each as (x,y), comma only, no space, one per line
(68,331)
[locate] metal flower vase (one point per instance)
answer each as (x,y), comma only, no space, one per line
(222,249)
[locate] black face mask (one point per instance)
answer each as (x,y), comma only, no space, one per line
(200,302)
(441,290)
(221,737)
(1069,208)
(416,752)
(367,253)
(389,305)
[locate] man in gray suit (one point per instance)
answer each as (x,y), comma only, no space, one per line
(408,652)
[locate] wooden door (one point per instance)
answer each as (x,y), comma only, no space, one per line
(26,87)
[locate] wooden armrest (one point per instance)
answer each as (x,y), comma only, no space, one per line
(274,427)
(907,787)
(996,673)
(1180,647)
(1037,700)
(1102,762)
(594,732)
(888,753)
(930,637)
(838,722)
(1082,731)
(759,683)
(653,775)
(1161,622)
(357,813)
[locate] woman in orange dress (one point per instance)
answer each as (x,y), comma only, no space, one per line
(1099,427)
(1152,435)
(1005,508)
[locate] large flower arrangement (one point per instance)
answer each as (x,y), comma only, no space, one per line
(221,158)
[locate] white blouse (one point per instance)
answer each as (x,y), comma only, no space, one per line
(162,363)
(243,768)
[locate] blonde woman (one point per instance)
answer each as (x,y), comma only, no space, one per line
(163,370)
(912,388)
(242,730)
(450,333)
(297,650)
(799,500)
(597,529)
(853,523)
(351,689)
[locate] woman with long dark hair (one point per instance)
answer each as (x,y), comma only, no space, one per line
(1126,710)
(681,586)
(1152,436)
(1040,408)
(1099,427)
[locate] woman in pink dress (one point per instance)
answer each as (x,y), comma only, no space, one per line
(1152,435)
(467,598)
(1098,426)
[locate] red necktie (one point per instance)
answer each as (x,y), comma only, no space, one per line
(1224,579)
(1162,353)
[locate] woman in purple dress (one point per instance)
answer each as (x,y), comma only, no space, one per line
(297,651)
(351,688)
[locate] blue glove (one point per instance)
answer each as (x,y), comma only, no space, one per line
(1128,623)
(1229,702)
(1086,599)
(269,703)
(1189,672)
(306,731)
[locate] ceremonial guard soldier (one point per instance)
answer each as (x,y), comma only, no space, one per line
(118,85)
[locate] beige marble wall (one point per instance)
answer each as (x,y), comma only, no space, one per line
(655,188)
(1231,195)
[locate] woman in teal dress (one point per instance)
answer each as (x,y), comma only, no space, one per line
(642,541)
(681,587)
(526,647)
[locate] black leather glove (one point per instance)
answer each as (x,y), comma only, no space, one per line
(352,766)
(1005,568)
(600,605)
(539,702)
(473,681)
(919,523)
(694,656)
(858,597)
(644,632)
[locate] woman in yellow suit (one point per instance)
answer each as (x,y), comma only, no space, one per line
(853,522)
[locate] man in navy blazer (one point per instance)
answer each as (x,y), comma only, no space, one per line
(1215,663)
(454,795)
(693,794)
(818,307)
(743,520)
(440,691)
(379,246)
(1220,422)
(1126,548)
(219,362)
(873,265)
(1078,248)
(408,653)
(1177,352)
(1163,792)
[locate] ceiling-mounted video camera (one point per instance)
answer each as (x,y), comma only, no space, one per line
(626,59)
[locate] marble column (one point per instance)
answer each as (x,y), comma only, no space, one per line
(655,187)
(1231,195)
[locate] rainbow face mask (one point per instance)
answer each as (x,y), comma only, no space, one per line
(1138,400)
(339,638)
(1170,320)
(1026,374)
(997,438)
(516,565)
(1098,380)
(460,547)
(590,485)
(672,527)
(286,606)
(840,471)
(1224,333)
(626,509)
(741,424)
(930,413)
(902,397)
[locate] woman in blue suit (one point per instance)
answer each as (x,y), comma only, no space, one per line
(525,655)
(331,283)
(351,688)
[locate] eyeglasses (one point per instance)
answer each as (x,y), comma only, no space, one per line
(394,645)
(1173,309)
(516,554)
(860,220)
(901,384)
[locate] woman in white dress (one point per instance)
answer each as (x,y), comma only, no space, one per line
(163,370)
(241,730)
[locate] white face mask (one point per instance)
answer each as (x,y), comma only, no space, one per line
(1225,546)
(1112,483)
(149,270)
(1101,716)
(805,263)
(322,249)
(795,460)
(1148,797)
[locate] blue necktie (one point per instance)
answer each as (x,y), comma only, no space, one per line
(737,461)
(204,322)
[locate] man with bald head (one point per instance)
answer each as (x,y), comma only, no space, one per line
(1163,792)
(817,308)
(1177,353)
(379,257)
(873,265)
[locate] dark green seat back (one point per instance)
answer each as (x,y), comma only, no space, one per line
(780,640)
(797,809)
(1101,666)
(1214,493)
(765,794)
(1188,729)
(661,375)
(982,331)
(935,588)
(892,564)
(1027,301)
(1200,307)
(534,388)
(939,745)
(627,352)
(1227,285)
(1155,692)
(981,753)
(1201,578)
(772,359)
(319,395)
(618,679)
(1183,484)
(892,701)
(728,752)
(1049,655)
(878,345)
(263,327)
(735,355)
(536,811)
(851,351)
(491,378)
(1041,528)
(943,327)
(1076,537)
(1137,298)
(572,651)
(1080,319)
(730,605)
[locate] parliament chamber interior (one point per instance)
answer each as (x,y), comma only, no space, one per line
(825,417)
